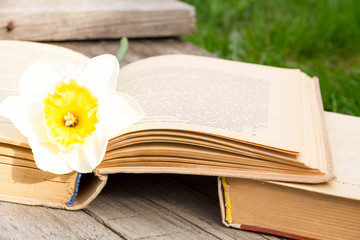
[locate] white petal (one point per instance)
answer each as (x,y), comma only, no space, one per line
(48,157)
(40,78)
(123,111)
(87,157)
(99,74)
(26,115)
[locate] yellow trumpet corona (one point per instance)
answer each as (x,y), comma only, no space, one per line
(70,114)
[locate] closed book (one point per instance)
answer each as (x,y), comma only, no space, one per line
(303,211)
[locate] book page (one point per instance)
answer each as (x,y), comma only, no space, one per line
(9,83)
(8,132)
(344,136)
(247,102)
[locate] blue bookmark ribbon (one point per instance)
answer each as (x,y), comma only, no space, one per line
(71,202)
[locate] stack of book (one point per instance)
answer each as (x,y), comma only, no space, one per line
(262,129)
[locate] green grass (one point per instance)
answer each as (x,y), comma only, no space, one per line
(320,37)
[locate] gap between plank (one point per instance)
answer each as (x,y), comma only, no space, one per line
(99,220)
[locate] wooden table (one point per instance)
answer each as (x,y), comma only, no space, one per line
(131,206)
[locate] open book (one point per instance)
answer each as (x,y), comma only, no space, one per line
(303,211)
(204,116)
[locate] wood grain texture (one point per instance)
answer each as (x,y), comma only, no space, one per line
(134,216)
(56,20)
(149,206)
(26,222)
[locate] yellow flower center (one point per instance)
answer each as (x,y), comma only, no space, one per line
(70,114)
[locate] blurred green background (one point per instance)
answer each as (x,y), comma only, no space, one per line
(322,38)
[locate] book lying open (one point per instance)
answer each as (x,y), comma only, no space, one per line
(303,211)
(203,116)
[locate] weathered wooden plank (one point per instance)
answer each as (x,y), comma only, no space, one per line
(154,200)
(42,20)
(25,222)
(134,216)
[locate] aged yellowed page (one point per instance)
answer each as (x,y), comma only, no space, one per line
(10,72)
(344,136)
(239,108)
(257,104)
(316,150)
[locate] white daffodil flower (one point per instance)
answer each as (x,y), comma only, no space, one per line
(67,113)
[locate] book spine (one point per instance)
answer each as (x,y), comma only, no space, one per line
(225,206)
